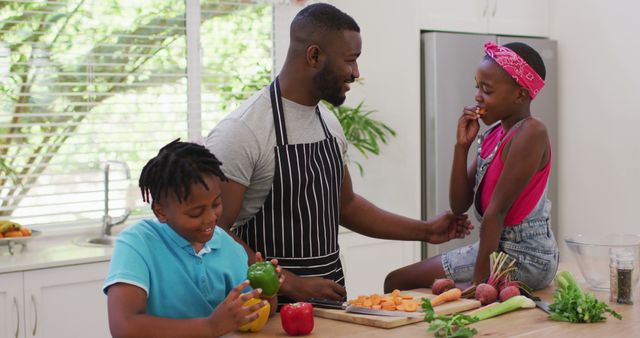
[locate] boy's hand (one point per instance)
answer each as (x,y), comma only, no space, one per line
(273,300)
(274,261)
(231,313)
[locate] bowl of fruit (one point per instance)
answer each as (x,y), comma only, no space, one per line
(13,234)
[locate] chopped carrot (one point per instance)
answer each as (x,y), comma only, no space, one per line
(375,299)
(395,301)
(410,306)
(389,307)
(447,296)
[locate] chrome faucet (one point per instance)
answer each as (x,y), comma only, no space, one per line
(107,221)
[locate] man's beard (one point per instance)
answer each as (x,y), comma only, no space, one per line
(329,86)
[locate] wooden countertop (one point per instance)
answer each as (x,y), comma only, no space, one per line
(528,322)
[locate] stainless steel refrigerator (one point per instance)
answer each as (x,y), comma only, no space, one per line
(449,63)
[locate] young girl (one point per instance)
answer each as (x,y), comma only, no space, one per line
(506,182)
(180,275)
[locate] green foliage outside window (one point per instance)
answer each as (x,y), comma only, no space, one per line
(56,46)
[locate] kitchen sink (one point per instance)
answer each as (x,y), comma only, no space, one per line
(96,241)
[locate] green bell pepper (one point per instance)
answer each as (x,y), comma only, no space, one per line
(263,275)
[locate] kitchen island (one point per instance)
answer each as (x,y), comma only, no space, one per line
(521,323)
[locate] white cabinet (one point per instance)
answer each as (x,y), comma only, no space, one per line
(11,306)
(366,261)
(54,303)
(509,17)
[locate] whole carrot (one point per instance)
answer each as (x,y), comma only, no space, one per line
(447,296)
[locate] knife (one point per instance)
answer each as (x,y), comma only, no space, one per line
(335,304)
(542,305)
(327,303)
(368,311)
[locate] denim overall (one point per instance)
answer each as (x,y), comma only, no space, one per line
(531,242)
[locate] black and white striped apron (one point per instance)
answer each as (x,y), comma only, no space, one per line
(298,222)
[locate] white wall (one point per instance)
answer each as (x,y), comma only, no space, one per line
(599,107)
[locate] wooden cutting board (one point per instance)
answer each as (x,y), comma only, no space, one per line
(386,322)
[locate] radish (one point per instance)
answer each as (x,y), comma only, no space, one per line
(486,293)
(441,285)
(508,292)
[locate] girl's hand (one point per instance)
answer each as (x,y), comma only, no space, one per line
(468,126)
(231,313)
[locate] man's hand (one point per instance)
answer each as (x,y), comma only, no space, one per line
(447,226)
(302,288)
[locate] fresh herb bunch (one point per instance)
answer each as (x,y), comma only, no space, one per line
(573,305)
(448,326)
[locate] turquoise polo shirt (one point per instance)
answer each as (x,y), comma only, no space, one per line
(179,282)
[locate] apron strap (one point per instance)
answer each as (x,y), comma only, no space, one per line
(278,113)
(327,133)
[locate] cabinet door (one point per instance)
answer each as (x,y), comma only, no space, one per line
(453,15)
(519,17)
(366,261)
(66,302)
(11,306)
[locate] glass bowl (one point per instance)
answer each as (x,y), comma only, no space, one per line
(592,254)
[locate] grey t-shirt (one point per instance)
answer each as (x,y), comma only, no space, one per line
(244,142)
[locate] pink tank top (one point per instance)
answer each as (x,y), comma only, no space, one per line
(528,198)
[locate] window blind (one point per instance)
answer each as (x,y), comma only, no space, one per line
(86,81)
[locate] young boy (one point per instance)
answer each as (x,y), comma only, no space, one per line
(180,275)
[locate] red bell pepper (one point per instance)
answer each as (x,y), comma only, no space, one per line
(297,318)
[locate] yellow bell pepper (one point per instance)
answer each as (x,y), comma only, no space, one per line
(263,316)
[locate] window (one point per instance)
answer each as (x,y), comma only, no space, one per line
(85,81)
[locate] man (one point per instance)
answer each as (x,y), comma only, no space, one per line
(284,154)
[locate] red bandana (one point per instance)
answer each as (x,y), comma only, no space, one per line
(519,69)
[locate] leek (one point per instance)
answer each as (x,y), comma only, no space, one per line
(511,304)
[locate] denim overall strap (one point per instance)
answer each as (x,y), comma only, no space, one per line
(483,163)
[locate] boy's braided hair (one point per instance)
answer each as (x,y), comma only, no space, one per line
(177,166)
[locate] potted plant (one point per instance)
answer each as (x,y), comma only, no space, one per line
(361,130)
